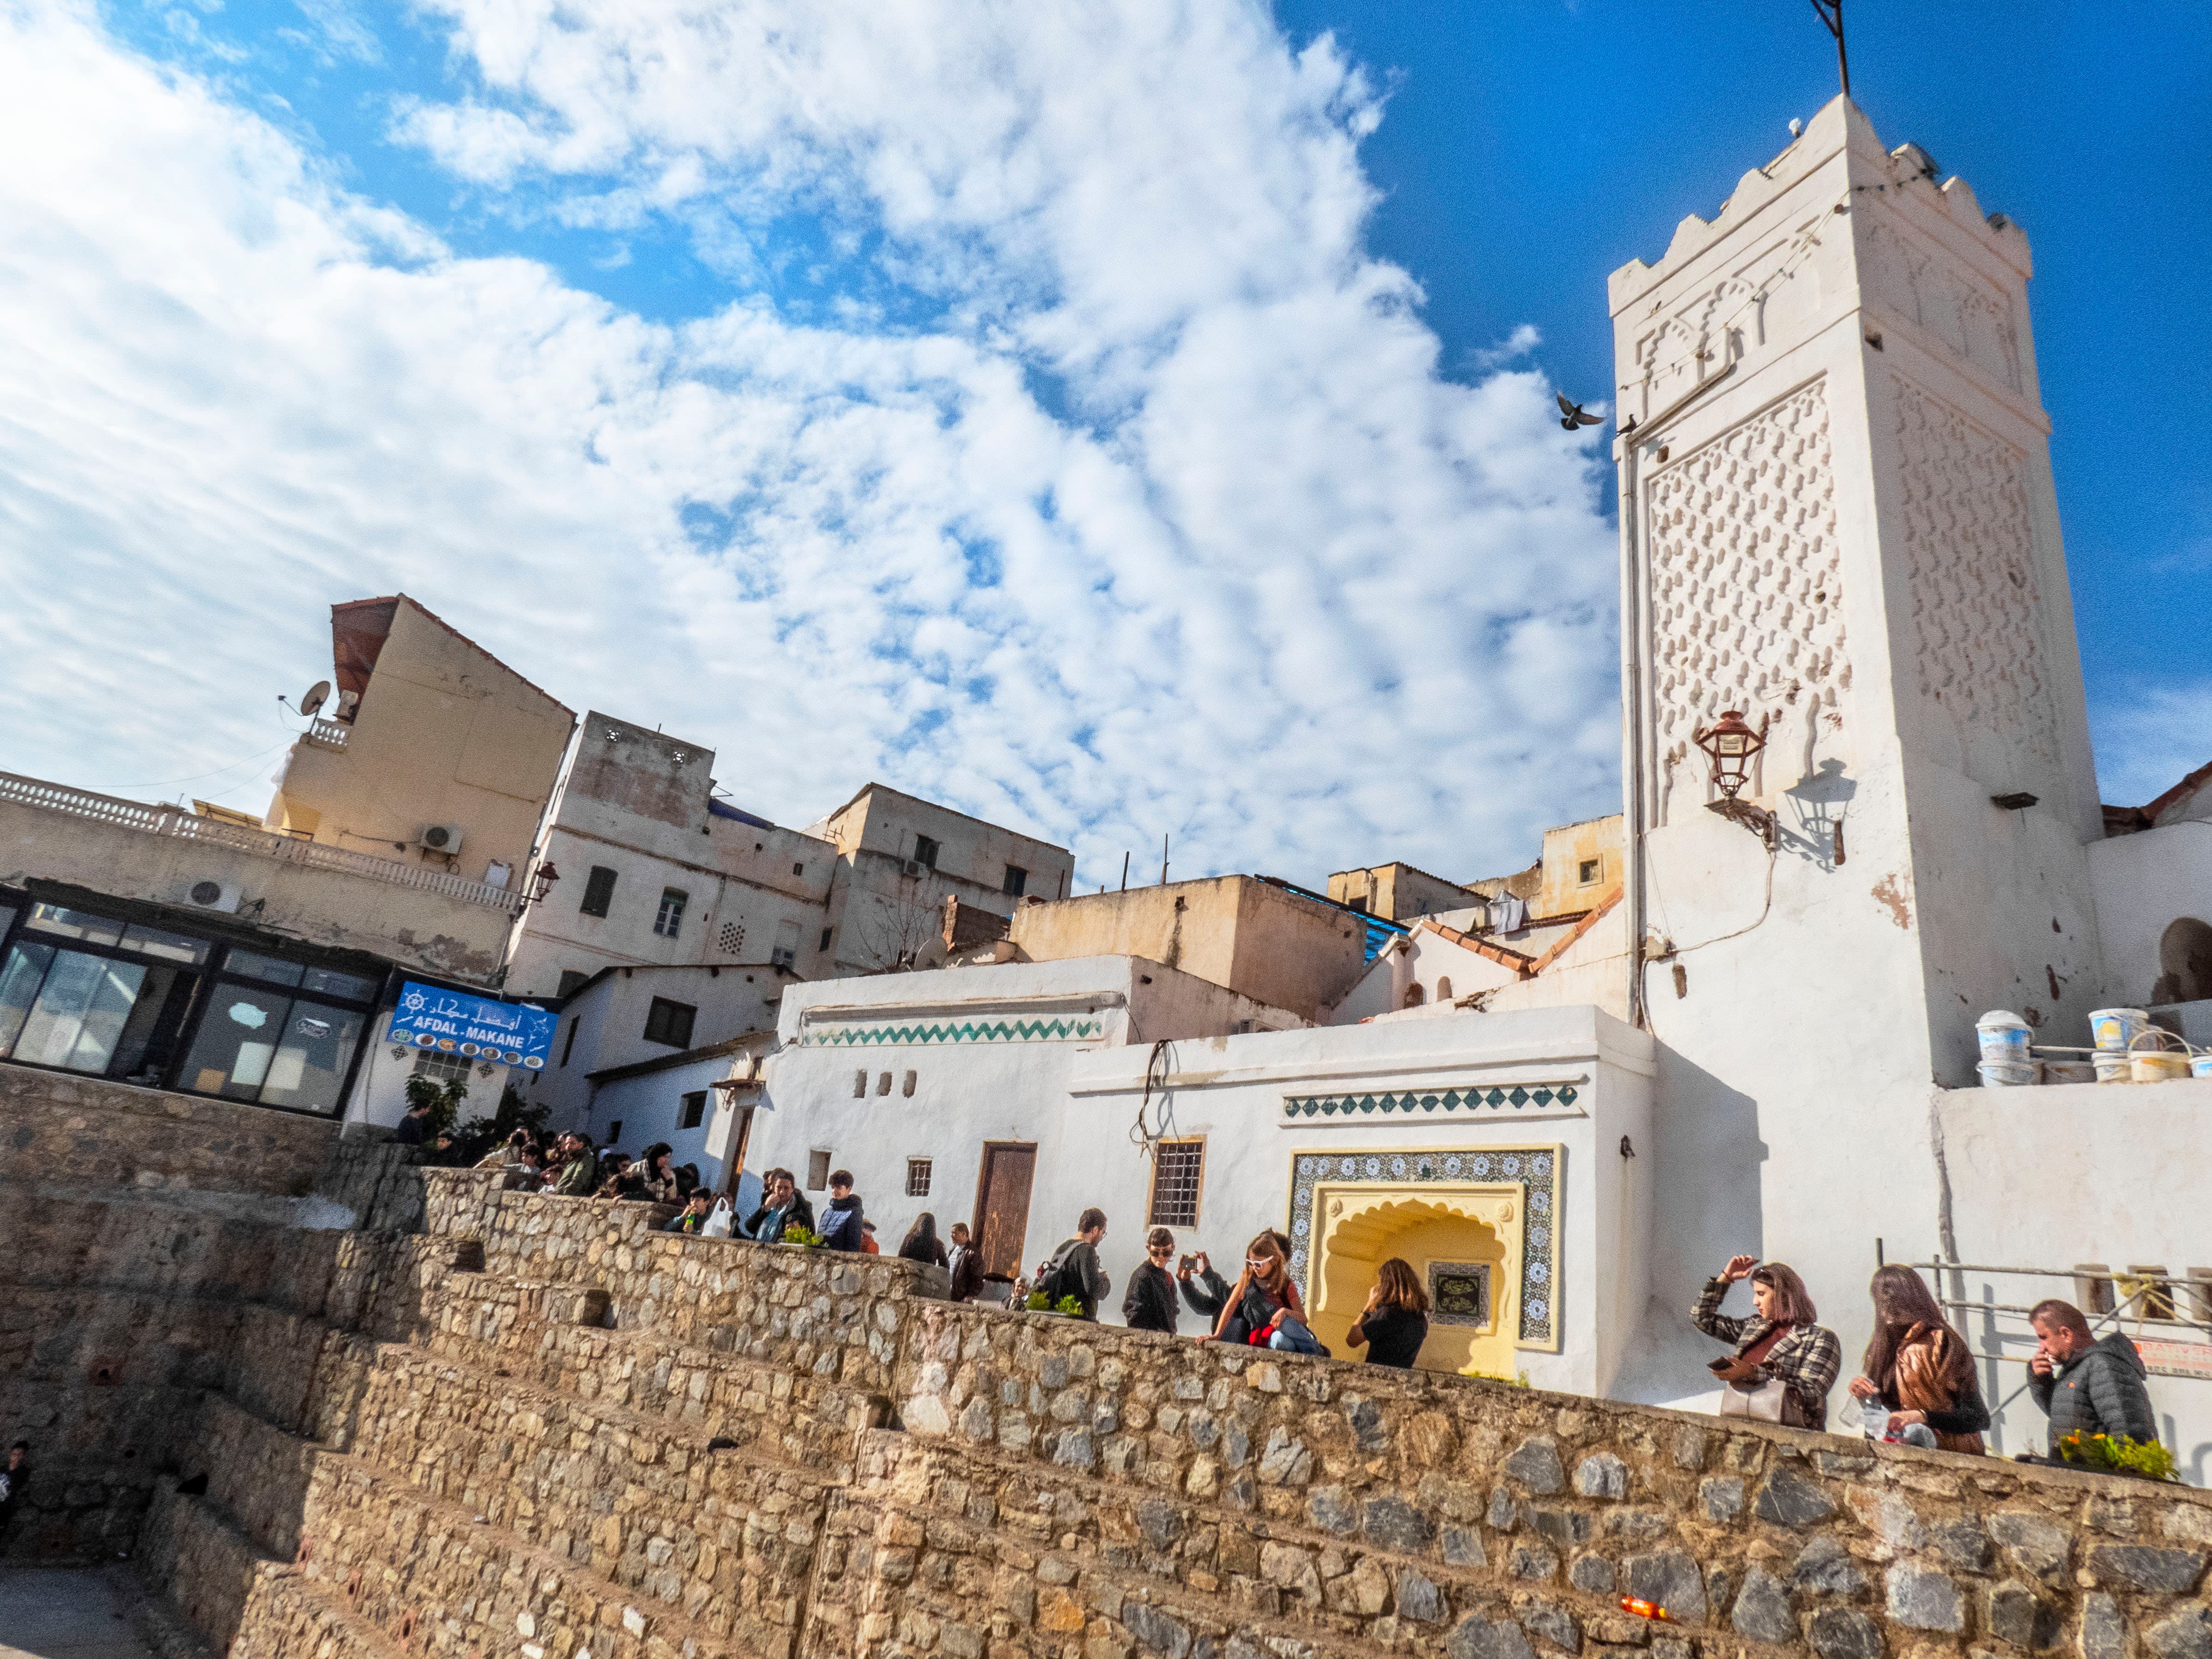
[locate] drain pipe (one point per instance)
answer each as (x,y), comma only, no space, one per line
(1628,440)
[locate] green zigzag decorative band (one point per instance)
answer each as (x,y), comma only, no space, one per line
(967,1031)
(1447,1100)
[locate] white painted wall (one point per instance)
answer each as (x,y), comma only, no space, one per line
(2052,1176)
(2144,883)
(603,1026)
(649,1108)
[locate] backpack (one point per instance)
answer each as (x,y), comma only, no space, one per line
(1061,1277)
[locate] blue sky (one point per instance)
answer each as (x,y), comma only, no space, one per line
(1111,422)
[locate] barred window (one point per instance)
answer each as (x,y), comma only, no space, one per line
(917,1177)
(442,1067)
(1178,1167)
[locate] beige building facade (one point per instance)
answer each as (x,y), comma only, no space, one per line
(431,752)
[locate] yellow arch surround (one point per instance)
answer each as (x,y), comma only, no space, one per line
(1360,1226)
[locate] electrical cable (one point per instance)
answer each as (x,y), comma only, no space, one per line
(1157,1069)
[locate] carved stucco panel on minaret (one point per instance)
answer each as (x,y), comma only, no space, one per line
(1978,648)
(1747,600)
(1969,317)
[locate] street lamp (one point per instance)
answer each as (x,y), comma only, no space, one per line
(547,875)
(1731,743)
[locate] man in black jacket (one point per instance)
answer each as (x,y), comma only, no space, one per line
(2084,1386)
(1073,1270)
(1150,1303)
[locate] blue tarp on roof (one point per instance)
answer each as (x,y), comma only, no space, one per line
(716,809)
(1379,933)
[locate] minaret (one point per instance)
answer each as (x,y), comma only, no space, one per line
(1838,518)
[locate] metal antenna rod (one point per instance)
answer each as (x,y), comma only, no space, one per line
(1831,14)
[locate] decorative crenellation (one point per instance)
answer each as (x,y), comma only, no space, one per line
(1747,589)
(1537,1170)
(1963,505)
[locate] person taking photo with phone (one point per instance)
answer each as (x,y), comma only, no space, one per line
(1780,1343)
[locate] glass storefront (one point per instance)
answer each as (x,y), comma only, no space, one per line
(109,997)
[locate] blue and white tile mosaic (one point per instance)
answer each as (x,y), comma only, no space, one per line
(1519,1098)
(1536,1168)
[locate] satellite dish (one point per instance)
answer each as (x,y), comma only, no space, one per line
(318,695)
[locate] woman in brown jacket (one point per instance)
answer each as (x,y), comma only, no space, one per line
(1918,1366)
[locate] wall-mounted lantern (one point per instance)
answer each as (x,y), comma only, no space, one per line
(1731,744)
(547,875)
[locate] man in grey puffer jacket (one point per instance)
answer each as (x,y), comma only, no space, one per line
(2084,1386)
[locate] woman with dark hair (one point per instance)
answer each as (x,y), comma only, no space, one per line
(1264,1310)
(1919,1367)
(1396,1320)
(1779,1344)
(921,1242)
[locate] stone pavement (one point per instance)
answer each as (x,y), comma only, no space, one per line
(67,1613)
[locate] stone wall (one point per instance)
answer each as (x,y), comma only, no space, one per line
(77,1134)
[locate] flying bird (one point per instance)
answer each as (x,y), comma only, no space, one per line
(1574,415)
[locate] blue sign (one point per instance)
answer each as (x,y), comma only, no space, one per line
(476,1028)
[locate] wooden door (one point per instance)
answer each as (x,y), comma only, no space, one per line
(741,1136)
(1002,1208)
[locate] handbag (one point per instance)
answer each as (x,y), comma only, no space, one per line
(1768,1402)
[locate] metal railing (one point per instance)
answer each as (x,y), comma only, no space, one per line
(260,843)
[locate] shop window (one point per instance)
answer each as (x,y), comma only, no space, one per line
(598,891)
(917,1177)
(670,1023)
(1178,1169)
(670,921)
(818,1172)
(694,1110)
(274,1032)
(1017,879)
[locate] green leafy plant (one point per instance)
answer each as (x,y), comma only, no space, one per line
(805,1236)
(444,1100)
(1068,1304)
(2117,1454)
(1038,1302)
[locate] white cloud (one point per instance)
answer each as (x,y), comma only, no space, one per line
(2147,743)
(1280,589)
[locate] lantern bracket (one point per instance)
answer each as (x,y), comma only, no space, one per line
(1763,824)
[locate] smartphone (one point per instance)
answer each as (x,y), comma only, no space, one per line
(1717,1367)
(1184,1264)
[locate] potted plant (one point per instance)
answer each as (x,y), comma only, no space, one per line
(2117,1454)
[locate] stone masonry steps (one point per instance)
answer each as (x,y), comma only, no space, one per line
(1006,1549)
(293,1616)
(425,1570)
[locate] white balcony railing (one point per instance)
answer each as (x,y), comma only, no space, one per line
(261,843)
(328,734)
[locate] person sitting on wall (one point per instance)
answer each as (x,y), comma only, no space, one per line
(1396,1320)
(655,1174)
(966,1262)
(921,1242)
(506,1153)
(1073,1270)
(842,1216)
(414,1128)
(1781,1344)
(692,1218)
(687,1180)
(621,1177)
(2087,1386)
(783,1206)
(1149,1304)
(1203,1288)
(1264,1310)
(1919,1369)
(580,1167)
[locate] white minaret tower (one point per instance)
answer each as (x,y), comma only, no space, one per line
(1838,518)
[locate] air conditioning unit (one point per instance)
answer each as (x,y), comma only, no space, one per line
(206,893)
(915,866)
(783,956)
(439,838)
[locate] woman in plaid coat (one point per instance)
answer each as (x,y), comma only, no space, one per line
(1805,1357)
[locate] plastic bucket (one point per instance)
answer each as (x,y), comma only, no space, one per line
(2114,1029)
(2150,1066)
(2009,1074)
(2113,1068)
(2200,1065)
(2003,1036)
(2069,1071)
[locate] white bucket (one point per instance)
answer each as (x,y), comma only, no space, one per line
(2005,1036)
(2114,1029)
(2112,1067)
(2200,1065)
(2009,1074)
(2069,1071)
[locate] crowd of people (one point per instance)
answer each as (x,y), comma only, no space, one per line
(1916,1382)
